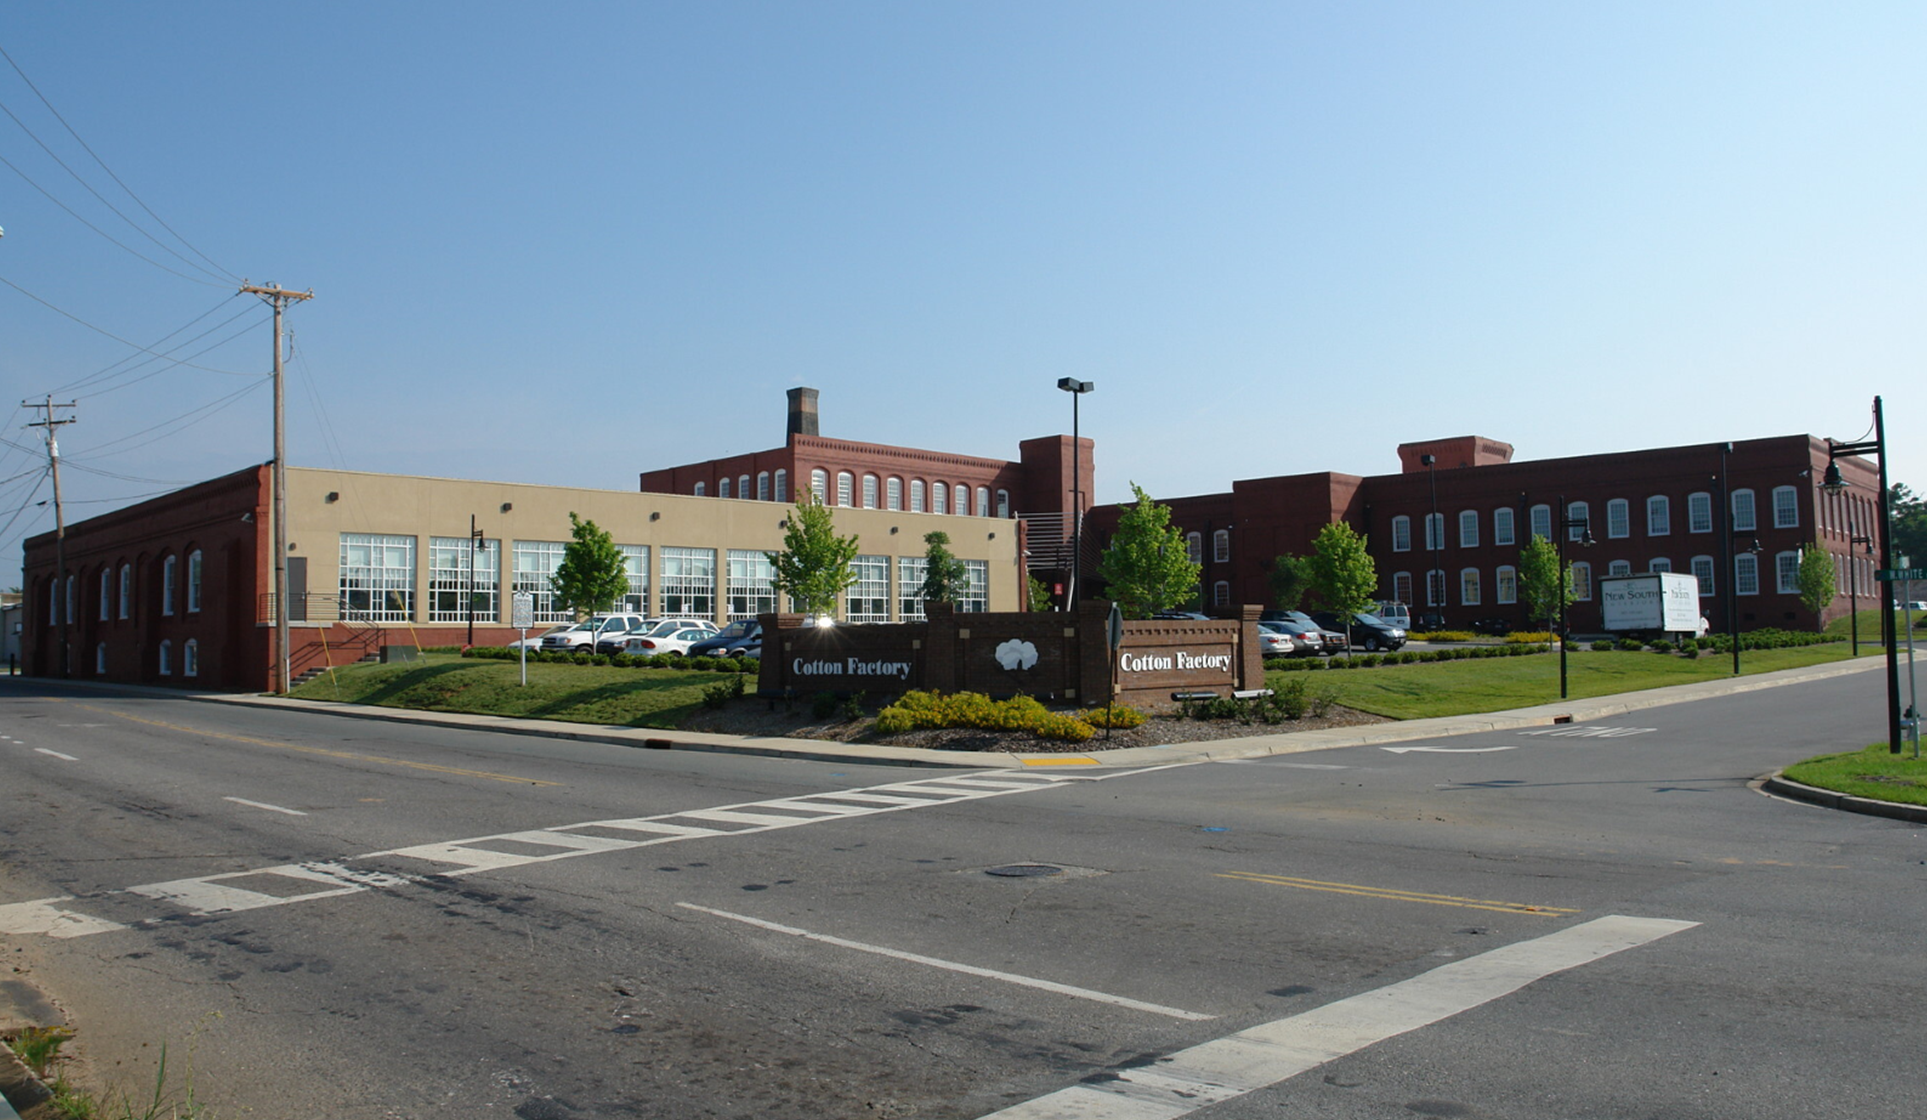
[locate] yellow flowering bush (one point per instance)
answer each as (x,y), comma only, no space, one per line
(1122,717)
(918,710)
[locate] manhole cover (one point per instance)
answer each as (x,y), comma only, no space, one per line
(1025,870)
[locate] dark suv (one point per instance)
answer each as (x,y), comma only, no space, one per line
(1368,631)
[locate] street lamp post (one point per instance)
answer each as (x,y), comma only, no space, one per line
(1432,545)
(1076,389)
(474,537)
(1834,483)
(1563,527)
(1854,537)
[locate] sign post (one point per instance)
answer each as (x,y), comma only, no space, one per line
(1114,637)
(522,616)
(1905,577)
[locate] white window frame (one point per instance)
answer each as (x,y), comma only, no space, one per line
(940,497)
(1786,507)
(1699,512)
(1619,568)
(106,592)
(869,491)
(1746,574)
(1746,512)
(1434,532)
(1401,533)
(1469,589)
(983,501)
(976,593)
(868,599)
(1402,587)
(782,493)
(742,486)
(1194,547)
(1619,519)
(916,495)
(701,490)
(687,582)
(1539,521)
(1581,581)
(168,574)
(1659,516)
(1578,520)
(762,486)
(126,605)
(1435,589)
(893,494)
(1506,584)
(845,488)
(751,588)
(635,566)
(1221,594)
(722,487)
(911,571)
(1659,564)
(450,561)
(962,494)
(1704,569)
(384,584)
(1221,546)
(1505,529)
(1003,503)
(1468,528)
(1786,569)
(531,563)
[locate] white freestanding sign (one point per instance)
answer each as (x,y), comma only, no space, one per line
(522,616)
(1667,602)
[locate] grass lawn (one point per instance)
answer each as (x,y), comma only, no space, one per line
(1456,688)
(1868,773)
(446,682)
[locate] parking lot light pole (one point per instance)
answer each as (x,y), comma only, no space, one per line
(1563,528)
(1889,637)
(1076,389)
(1854,537)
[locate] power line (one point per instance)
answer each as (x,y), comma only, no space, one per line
(138,361)
(111,334)
(110,237)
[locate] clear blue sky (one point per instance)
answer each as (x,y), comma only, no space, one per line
(565,243)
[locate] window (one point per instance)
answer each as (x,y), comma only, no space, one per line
(455,564)
(377,578)
(910,573)
(1541,521)
(106,593)
(1787,566)
(752,583)
(531,563)
(1221,546)
(983,501)
(976,596)
(1744,518)
(167,585)
(893,493)
(783,487)
(1786,507)
(940,498)
(1582,581)
(722,488)
(963,500)
(166,665)
(820,486)
(1221,594)
(1503,532)
(1703,571)
(191,658)
(1619,519)
(916,495)
(1469,528)
(73,597)
(1699,513)
(1659,516)
(635,565)
(1402,586)
(100,658)
(1401,533)
(1003,503)
(1434,532)
(845,488)
(868,599)
(1620,568)
(762,486)
(1435,588)
(1194,547)
(1578,520)
(193,582)
(1659,564)
(689,582)
(126,590)
(1746,574)
(742,487)
(702,488)
(1469,587)
(1507,581)
(869,491)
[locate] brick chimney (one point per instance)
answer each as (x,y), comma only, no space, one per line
(802,412)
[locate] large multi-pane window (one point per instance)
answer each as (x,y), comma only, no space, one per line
(1401,533)
(1787,566)
(1435,587)
(976,596)
(1402,587)
(1786,507)
(845,488)
(1221,594)
(868,599)
(1468,528)
(1659,564)
(983,501)
(1659,516)
(1221,546)
(1744,518)
(893,493)
(1469,587)
(168,566)
(1619,518)
(635,566)
(1194,547)
(1506,581)
(1503,532)
(1578,520)
(1541,519)
(962,493)
(916,495)
(939,497)
(783,487)
(752,584)
(1620,568)
(1582,581)
(869,491)
(1703,571)
(126,590)
(1003,503)
(910,573)
(455,564)
(531,564)
(762,486)
(377,578)
(820,486)
(1434,531)
(1699,513)
(722,488)
(689,582)
(1746,574)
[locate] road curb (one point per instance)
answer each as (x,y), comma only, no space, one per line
(1777,783)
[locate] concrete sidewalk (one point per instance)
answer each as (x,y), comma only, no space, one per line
(1249,746)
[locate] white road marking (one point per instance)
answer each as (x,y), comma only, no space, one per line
(1447,750)
(265,805)
(57,754)
(954,966)
(1287,765)
(1284,1048)
(42,916)
(1588,731)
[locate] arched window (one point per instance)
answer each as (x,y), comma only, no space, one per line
(762,486)
(1659,564)
(1659,516)
(701,490)
(1194,547)
(167,584)
(742,486)
(963,500)
(106,593)
(1619,519)
(845,488)
(820,486)
(1469,587)
(1402,587)
(1221,546)
(126,590)
(1221,594)
(1468,528)
(893,493)
(1746,574)
(869,491)
(1435,587)
(1578,520)
(1003,503)
(939,498)
(1699,512)
(166,658)
(1503,532)
(1434,531)
(100,658)
(722,488)
(73,597)
(191,658)
(783,487)
(1401,533)
(1786,507)
(1582,581)
(1745,520)
(1541,521)
(983,501)
(1786,565)
(916,495)
(1620,568)
(1703,570)
(1506,581)
(194,582)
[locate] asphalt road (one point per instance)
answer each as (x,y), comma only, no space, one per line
(1600,920)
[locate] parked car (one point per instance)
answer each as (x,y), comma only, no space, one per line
(534,643)
(613,639)
(1493,625)
(1290,639)
(1335,640)
(1181,615)
(741,638)
(670,639)
(1395,612)
(1368,631)
(582,637)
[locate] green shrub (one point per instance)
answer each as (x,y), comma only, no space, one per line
(717,695)
(917,710)
(1529,637)
(1121,717)
(1631,645)
(1660,645)
(823,705)
(1602,645)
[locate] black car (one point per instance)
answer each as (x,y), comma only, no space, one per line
(1335,640)
(1368,631)
(1494,626)
(741,638)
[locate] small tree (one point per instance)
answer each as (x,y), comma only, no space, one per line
(1816,577)
(1290,578)
(1039,594)
(815,564)
(945,579)
(1542,585)
(1145,566)
(1343,577)
(591,577)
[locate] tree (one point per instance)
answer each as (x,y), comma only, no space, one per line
(1544,587)
(1816,577)
(1343,577)
(591,577)
(815,564)
(945,579)
(1909,512)
(1039,594)
(1146,566)
(1290,578)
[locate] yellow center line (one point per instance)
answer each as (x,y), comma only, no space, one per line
(1394,895)
(323,750)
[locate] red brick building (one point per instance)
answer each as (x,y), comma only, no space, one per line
(1445,532)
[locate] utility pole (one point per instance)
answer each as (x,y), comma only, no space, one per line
(278,298)
(61,604)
